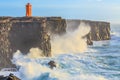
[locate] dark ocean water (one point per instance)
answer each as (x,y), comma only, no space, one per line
(99,62)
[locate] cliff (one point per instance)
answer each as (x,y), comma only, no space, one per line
(99,30)
(23,33)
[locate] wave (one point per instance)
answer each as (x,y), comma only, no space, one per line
(117,34)
(71,42)
(69,68)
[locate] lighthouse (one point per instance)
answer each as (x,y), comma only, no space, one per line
(28,10)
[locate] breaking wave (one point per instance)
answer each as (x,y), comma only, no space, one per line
(69,67)
(71,42)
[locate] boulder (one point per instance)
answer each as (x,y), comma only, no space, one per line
(52,64)
(10,77)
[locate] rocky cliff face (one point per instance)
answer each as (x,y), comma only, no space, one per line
(23,33)
(5,50)
(56,25)
(99,30)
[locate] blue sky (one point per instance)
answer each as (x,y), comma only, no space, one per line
(100,10)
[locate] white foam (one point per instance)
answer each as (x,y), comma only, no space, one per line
(37,68)
(71,42)
(115,34)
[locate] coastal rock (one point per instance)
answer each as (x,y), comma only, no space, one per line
(10,77)
(2,77)
(52,64)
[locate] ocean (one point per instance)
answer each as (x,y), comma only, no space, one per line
(100,61)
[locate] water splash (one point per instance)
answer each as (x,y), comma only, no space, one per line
(71,42)
(37,68)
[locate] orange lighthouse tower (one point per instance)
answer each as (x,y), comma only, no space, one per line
(28,10)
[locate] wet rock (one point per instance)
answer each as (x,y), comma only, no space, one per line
(52,64)
(2,77)
(10,77)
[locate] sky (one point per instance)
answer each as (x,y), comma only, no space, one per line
(97,10)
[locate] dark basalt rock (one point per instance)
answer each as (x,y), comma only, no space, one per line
(52,64)
(10,77)
(2,77)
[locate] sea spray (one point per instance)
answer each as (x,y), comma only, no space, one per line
(35,53)
(37,69)
(72,41)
